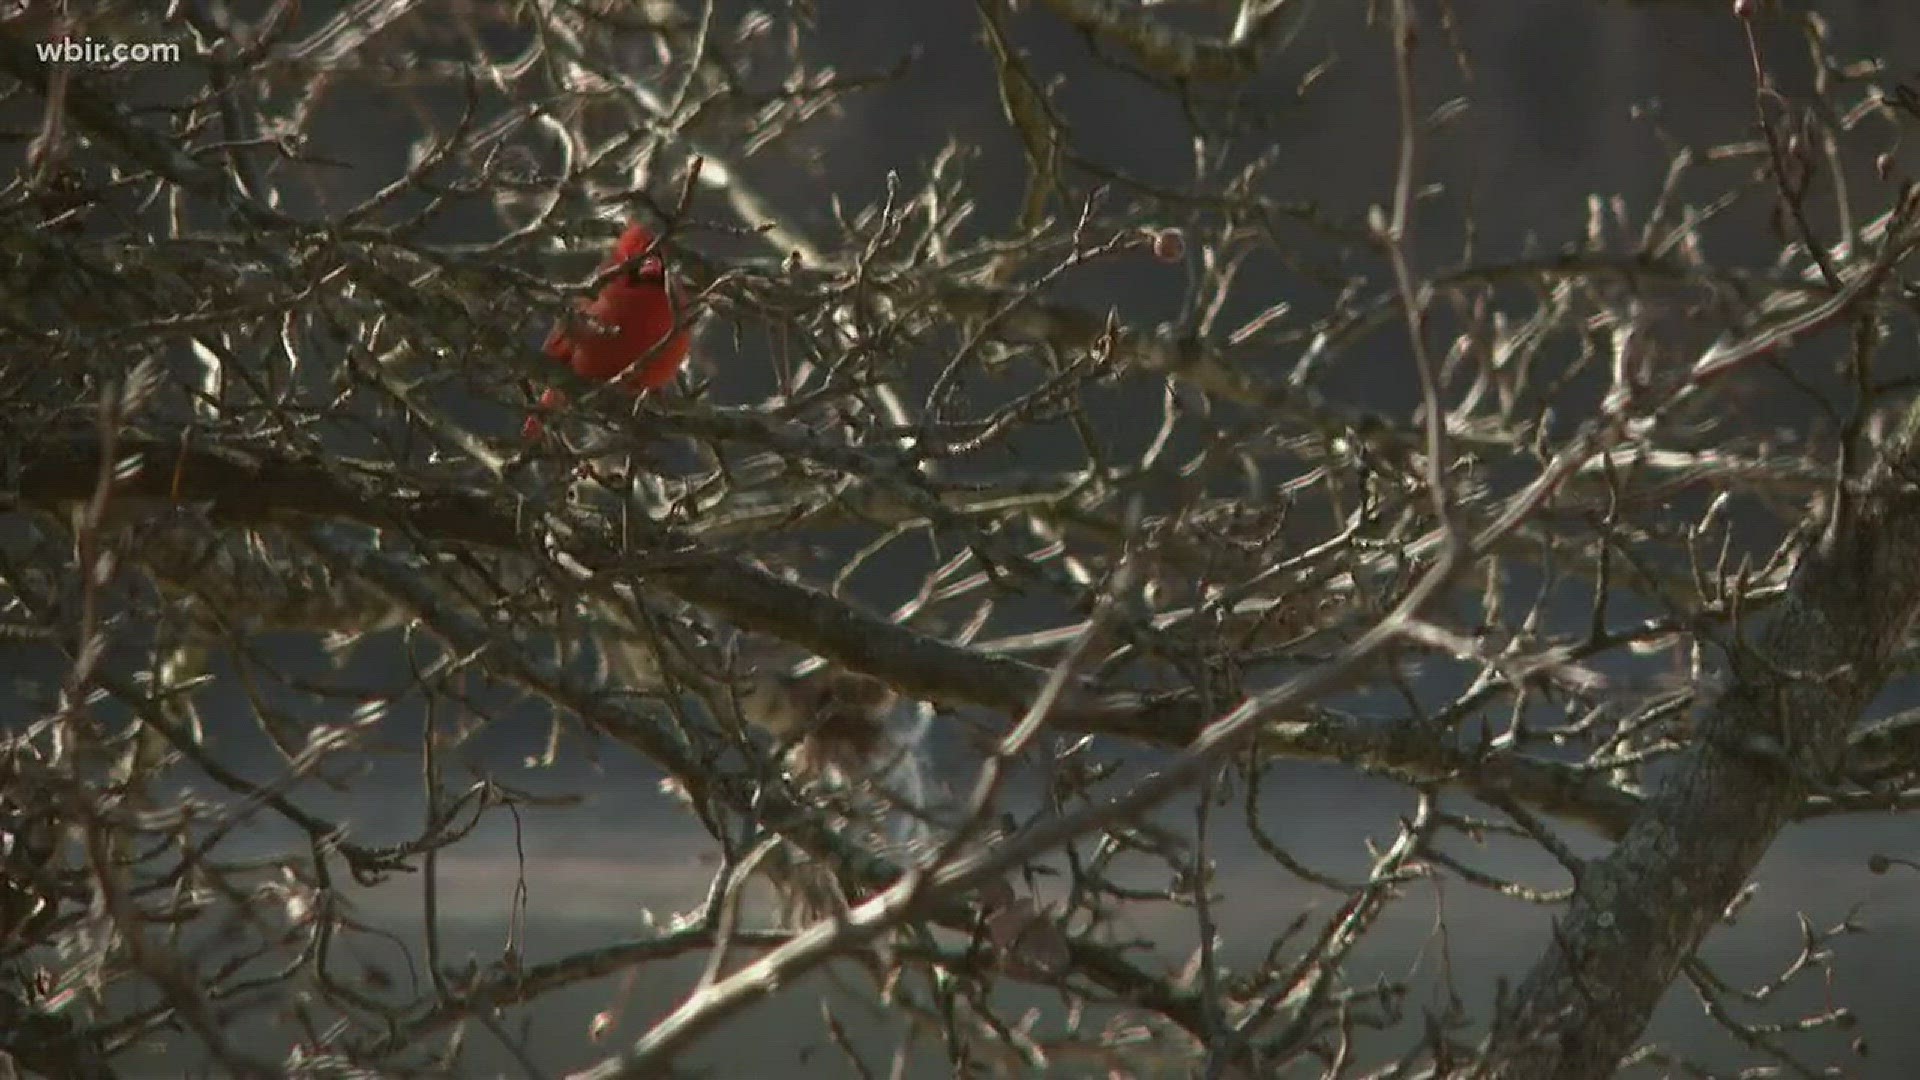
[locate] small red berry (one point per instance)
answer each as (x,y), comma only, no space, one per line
(1169,246)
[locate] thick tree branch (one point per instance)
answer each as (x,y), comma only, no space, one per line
(626,722)
(258,487)
(1776,734)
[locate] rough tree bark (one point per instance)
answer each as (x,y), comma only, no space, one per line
(1794,689)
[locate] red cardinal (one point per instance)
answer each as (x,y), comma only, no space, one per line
(629,327)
